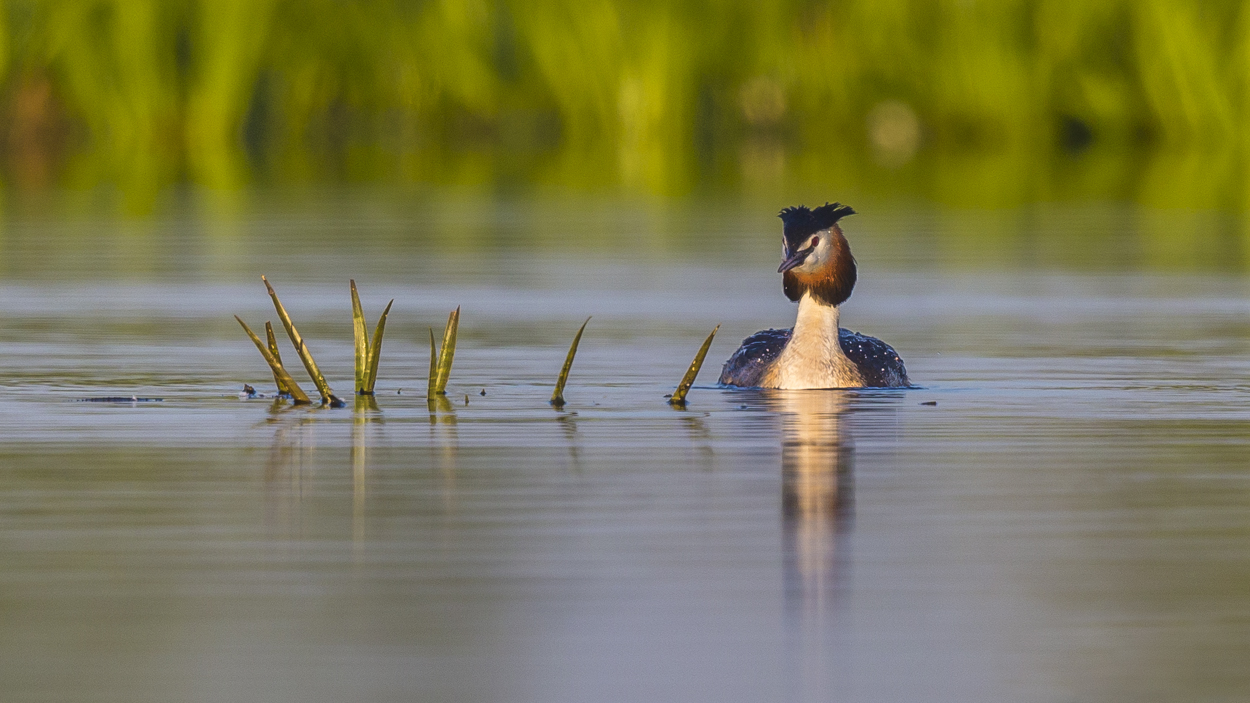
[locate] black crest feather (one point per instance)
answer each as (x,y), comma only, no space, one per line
(834,285)
(799,223)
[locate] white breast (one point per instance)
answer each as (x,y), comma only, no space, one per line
(813,358)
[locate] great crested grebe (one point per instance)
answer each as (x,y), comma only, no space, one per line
(819,273)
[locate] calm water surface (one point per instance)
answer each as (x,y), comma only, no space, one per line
(1069,522)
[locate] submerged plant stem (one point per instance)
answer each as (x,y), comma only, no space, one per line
(557,397)
(679,395)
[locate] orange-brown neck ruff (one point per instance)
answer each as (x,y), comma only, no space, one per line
(830,285)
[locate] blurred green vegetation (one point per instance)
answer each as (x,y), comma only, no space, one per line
(962,102)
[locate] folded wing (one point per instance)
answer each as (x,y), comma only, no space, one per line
(877,361)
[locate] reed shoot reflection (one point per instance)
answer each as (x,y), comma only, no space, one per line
(366,411)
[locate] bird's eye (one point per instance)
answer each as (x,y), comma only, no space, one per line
(815,241)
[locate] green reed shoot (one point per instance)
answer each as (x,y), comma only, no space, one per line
(283,389)
(375,350)
(557,397)
(361,335)
(368,352)
(327,396)
(433,377)
(447,352)
(679,395)
(440,369)
(279,373)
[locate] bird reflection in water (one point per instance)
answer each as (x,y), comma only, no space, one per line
(817,504)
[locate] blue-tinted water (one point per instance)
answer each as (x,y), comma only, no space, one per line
(1070,521)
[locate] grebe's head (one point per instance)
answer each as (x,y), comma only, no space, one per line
(816,257)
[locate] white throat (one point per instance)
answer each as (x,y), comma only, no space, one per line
(813,357)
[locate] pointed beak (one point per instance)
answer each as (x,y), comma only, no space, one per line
(795,259)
